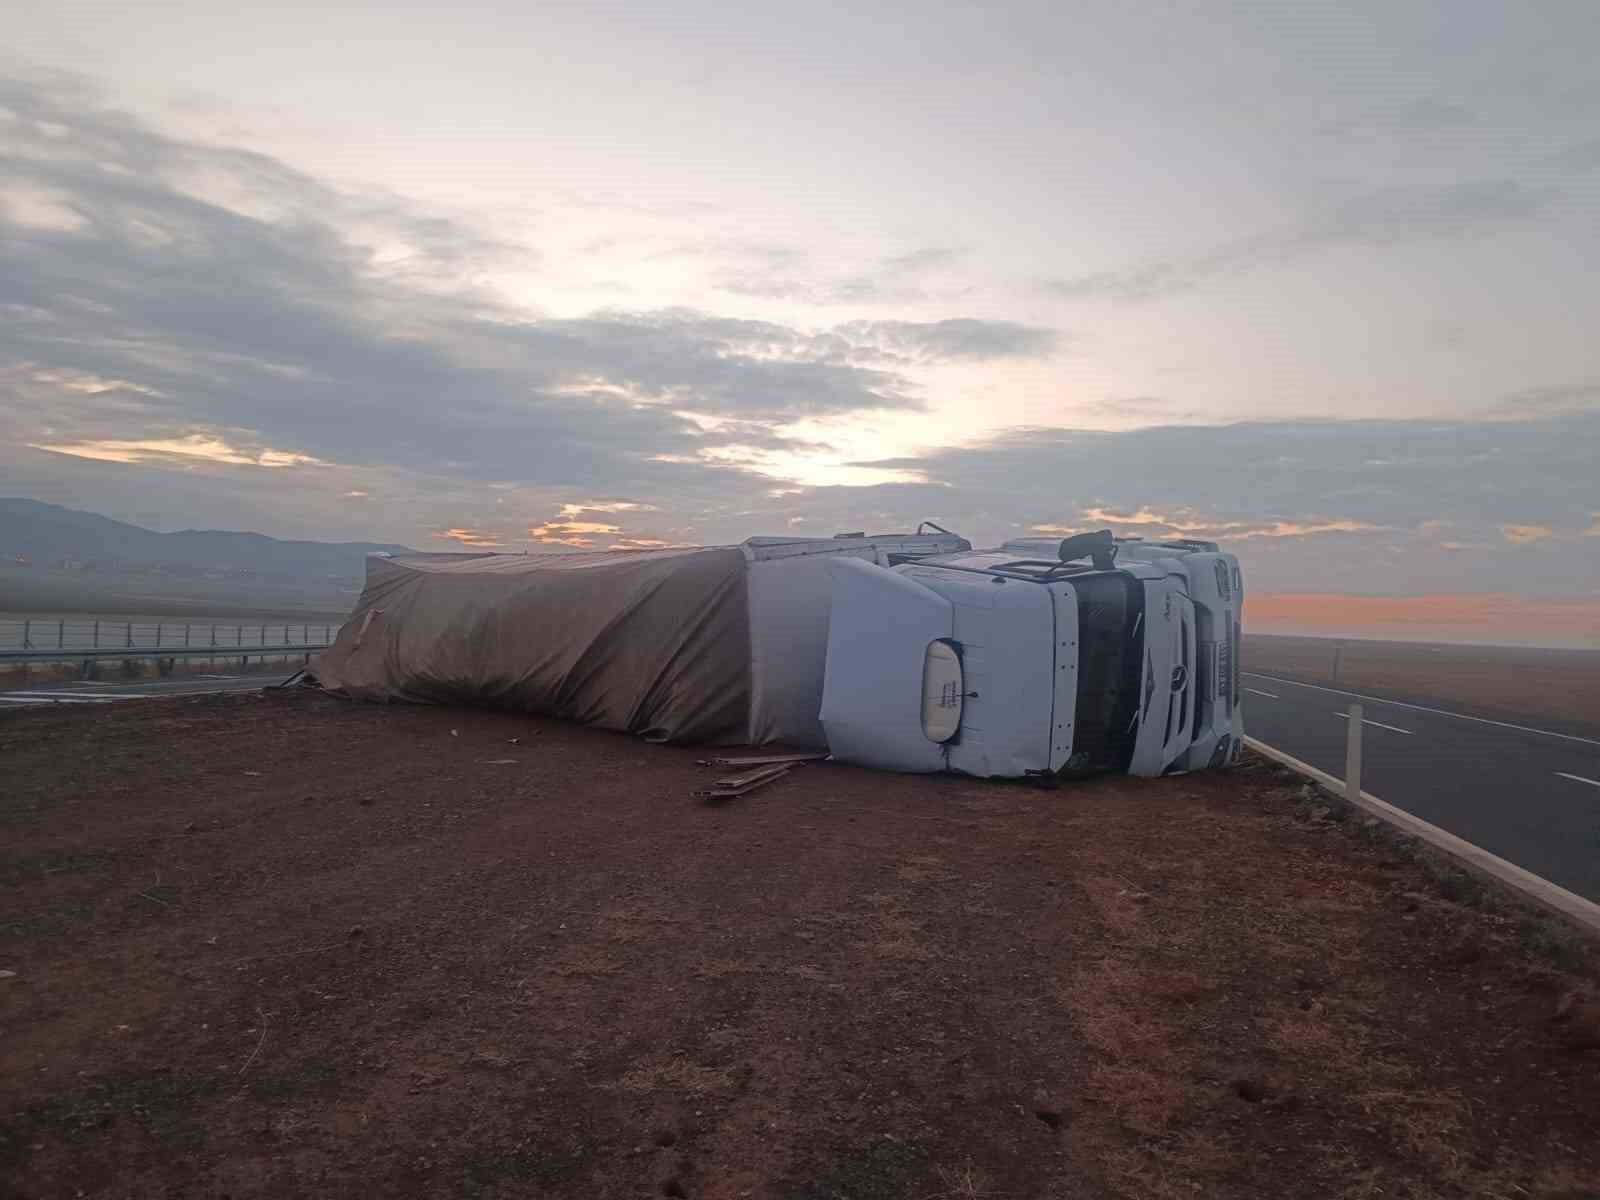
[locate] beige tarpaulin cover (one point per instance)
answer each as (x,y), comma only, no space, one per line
(652,642)
(706,644)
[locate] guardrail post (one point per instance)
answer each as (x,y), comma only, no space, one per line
(129,635)
(186,634)
(27,641)
(97,635)
(1338,653)
(61,633)
(1352,756)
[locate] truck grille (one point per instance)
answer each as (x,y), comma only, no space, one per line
(1225,675)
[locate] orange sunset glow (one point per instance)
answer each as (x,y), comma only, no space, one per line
(1493,618)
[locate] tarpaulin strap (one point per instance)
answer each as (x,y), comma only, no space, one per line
(365,623)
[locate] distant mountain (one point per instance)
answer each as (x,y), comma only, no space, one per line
(49,535)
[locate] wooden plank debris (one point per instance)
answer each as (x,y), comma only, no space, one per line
(759,760)
(739,785)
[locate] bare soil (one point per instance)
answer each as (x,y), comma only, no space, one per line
(277,944)
(1561,687)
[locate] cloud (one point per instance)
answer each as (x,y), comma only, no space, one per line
(474,539)
(1424,115)
(578,534)
(211,324)
(1557,400)
(193,446)
(787,274)
(1580,157)
(794,289)
(926,258)
(1188,523)
(1522,535)
(1139,409)
(954,340)
(1384,217)
(570,511)
(215,306)
(1280,492)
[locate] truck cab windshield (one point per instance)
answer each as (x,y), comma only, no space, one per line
(1105,727)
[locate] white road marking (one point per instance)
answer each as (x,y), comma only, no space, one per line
(1443,712)
(1268,695)
(1379,724)
(1579,779)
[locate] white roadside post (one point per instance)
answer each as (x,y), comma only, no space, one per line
(1352,756)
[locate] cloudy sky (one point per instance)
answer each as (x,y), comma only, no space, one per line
(1319,280)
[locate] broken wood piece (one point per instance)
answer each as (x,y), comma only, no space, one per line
(764,759)
(738,785)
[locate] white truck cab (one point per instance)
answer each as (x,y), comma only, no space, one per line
(1096,657)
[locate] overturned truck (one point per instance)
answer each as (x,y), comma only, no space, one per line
(900,651)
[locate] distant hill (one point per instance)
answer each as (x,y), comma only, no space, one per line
(48,533)
(53,557)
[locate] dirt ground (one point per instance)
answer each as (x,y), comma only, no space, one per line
(1561,687)
(278,944)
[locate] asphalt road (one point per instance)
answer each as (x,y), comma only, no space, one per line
(1529,794)
(111,691)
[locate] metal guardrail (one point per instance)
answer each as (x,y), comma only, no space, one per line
(66,641)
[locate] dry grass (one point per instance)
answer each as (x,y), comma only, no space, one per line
(1117,903)
(1424,1122)
(1310,1038)
(965,1182)
(1120,1010)
(1144,1098)
(1146,989)
(1562,685)
(675,1075)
